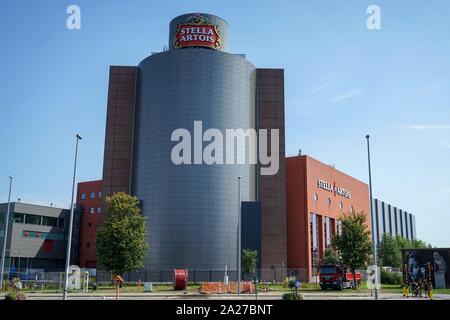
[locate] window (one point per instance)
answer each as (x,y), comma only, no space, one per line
(43,235)
(88,245)
(19,217)
(316,197)
(351,209)
(61,222)
(32,219)
(313,227)
(50,221)
(341,205)
(99,194)
(327,232)
(89,224)
(92,195)
(339,227)
(83,196)
(329,202)
(92,210)
(99,209)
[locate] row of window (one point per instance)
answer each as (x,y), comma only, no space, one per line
(42,235)
(38,220)
(341,206)
(92,195)
(327,234)
(93,210)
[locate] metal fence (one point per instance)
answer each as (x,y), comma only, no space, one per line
(211,275)
(53,280)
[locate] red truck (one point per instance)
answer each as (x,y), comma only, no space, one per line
(332,276)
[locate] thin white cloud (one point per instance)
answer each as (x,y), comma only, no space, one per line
(351,94)
(324,85)
(438,134)
(427,127)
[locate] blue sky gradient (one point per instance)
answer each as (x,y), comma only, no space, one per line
(342,82)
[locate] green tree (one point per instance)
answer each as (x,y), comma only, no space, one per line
(121,238)
(403,243)
(331,256)
(249,261)
(353,244)
(389,252)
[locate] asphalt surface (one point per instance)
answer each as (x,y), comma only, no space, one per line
(195,296)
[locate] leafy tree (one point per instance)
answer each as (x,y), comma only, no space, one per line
(331,256)
(411,244)
(420,244)
(353,244)
(389,252)
(249,261)
(121,239)
(389,249)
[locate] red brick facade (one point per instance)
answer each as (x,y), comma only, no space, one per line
(90,199)
(315,188)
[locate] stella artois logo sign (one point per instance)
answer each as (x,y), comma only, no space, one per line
(197,32)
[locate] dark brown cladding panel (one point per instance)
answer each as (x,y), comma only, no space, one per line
(272,190)
(119,130)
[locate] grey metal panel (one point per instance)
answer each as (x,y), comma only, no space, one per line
(406,225)
(191,209)
(397,222)
(20,207)
(381,224)
(374,220)
(385,218)
(34,247)
(413,227)
(391,220)
(19,246)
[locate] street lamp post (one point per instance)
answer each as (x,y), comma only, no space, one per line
(374,247)
(239,238)
(5,235)
(69,235)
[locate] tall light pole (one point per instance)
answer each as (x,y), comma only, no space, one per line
(239,238)
(69,235)
(5,235)
(374,247)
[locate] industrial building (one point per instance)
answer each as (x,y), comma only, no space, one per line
(393,220)
(317,194)
(37,237)
(192,210)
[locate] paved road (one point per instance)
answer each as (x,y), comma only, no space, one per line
(261,296)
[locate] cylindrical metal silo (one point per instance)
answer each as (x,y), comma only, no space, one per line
(192,209)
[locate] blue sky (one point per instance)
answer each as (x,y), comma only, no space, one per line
(342,81)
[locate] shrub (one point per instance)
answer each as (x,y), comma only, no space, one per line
(390,278)
(292,296)
(10,296)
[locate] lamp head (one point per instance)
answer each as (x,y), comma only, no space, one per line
(79,136)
